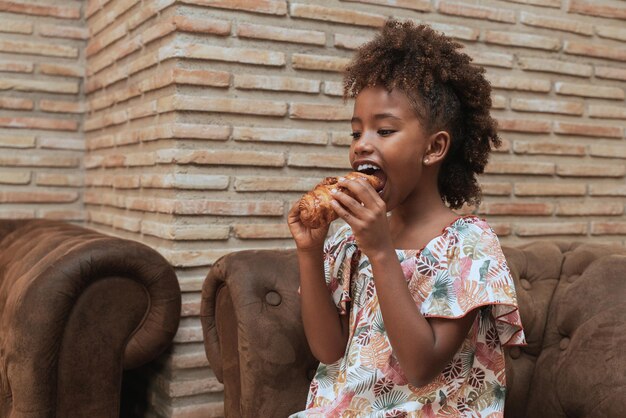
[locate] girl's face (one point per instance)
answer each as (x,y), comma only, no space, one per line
(389,142)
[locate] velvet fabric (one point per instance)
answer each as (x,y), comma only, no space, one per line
(77,307)
(572,299)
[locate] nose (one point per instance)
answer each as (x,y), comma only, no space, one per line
(364,145)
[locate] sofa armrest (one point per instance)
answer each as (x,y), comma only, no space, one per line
(253,333)
(76,308)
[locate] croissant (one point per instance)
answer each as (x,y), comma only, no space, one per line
(315,208)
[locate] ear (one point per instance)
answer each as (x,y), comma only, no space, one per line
(438,146)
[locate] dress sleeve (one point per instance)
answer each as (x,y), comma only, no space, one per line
(469,271)
(341,257)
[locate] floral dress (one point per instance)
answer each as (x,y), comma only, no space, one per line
(456,272)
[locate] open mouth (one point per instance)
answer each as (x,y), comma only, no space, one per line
(373,170)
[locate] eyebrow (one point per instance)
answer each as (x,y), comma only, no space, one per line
(378,116)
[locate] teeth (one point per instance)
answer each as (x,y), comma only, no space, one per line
(367,166)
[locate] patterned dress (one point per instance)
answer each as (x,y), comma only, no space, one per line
(456,272)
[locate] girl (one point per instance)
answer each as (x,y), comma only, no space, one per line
(408,313)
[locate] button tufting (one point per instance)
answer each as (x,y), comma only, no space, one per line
(572,278)
(515,352)
(564,343)
(310,374)
(525,284)
(273,298)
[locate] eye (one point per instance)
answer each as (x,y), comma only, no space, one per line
(355,135)
(385,132)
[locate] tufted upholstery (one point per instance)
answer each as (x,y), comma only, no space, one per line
(77,308)
(573,306)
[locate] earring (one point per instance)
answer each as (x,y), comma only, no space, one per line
(425,160)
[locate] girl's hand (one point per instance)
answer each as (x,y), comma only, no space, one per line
(306,239)
(366,213)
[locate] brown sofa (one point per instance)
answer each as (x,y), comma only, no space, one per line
(77,308)
(572,301)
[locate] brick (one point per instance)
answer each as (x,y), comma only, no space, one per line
(144,204)
(496,189)
(319,62)
(221,157)
(146,11)
(31,196)
(588,129)
(58,179)
(350,42)
(17,141)
(59,106)
(598,189)
(548,148)
(50,142)
(419,5)
(127,223)
(276,83)
(524,125)
(187,360)
(297,136)
(550,189)
(93,161)
(201,77)
(105,20)
(522,40)
(16,66)
(512,167)
(64,70)
(340,161)
(333,88)
(589,90)
(505,146)
(610,73)
(542,3)
(69,32)
(204,25)
(157,31)
(225,105)
(217,53)
(555,66)
(607,151)
(589,208)
(17,214)
(185,181)
(15,177)
(498,102)
(19,26)
(547,106)
(331,14)
(185,232)
(312,111)
(553,23)
(276,184)
(476,12)
(62,12)
(39,123)
(274,33)
(590,170)
(261,231)
(16,103)
(606,111)
(126,182)
(590,8)
(100,218)
(65,87)
(229,207)
(595,50)
(455,31)
(501,228)
(608,228)
(38,48)
(272,7)
(551,228)
(105,38)
(518,83)
(343,138)
(491,59)
(611,32)
(62,215)
(516,209)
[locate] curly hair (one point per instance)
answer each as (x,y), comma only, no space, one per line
(445,91)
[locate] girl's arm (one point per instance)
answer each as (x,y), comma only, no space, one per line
(434,340)
(325,329)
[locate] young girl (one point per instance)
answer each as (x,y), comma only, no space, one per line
(408,312)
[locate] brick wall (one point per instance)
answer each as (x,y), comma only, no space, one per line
(205,119)
(41,109)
